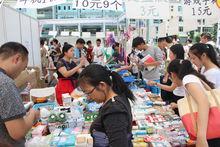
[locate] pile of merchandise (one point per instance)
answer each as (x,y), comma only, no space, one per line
(154,122)
(64,126)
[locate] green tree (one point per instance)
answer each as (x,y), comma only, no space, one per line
(215,31)
(191,34)
(197,38)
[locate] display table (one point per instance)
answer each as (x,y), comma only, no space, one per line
(154,123)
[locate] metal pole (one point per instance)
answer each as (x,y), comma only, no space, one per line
(79,27)
(104,27)
(117,29)
(54,15)
(148,29)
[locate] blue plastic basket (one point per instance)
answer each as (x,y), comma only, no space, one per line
(122,72)
(50,105)
(129,79)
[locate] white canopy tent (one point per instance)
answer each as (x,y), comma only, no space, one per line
(21,28)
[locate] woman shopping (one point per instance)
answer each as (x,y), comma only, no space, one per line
(204,57)
(170,92)
(112,127)
(183,73)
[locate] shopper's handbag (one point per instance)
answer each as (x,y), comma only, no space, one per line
(188,111)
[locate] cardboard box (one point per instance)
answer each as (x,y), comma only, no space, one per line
(32,76)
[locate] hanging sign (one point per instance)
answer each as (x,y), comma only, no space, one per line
(147,10)
(193,24)
(201,9)
(162,30)
(173,27)
(115,5)
(38,3)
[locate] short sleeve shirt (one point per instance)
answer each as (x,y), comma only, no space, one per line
(213,75)
(191,79)
(157,54)
(77,53)
(69,66)
(117,57)
(11,108)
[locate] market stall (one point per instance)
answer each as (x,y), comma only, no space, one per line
(154,122)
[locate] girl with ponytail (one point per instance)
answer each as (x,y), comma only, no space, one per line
(183,74)
(170,92)
(204,57)
(113,125)
(67,72)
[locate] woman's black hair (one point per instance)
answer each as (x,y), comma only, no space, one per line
(129,55)
(65,43)
(199,48)
(55,40)
(42,41)
(89,42)
(99,40)
(169,39)
(183,68)
(94,74)
(116,44)
(178,50)
(65,49)
(189,40)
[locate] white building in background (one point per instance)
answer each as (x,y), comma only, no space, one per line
(148,29)
(176,12)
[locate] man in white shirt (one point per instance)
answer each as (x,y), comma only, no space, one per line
(150,70)
(206,38)
(98,52)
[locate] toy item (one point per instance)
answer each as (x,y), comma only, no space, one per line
(44,114)
(90,116)
(60,117)
(40,100)
(63,141)
(153,96)
(39,141)
(52,118)
(48,106)
(140,144)
(67,99)
(150,130)
(159,103)
(84,140)
(43,99)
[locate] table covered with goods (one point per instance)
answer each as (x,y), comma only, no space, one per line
(154,122)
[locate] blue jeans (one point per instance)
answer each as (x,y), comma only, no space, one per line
(154,89)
